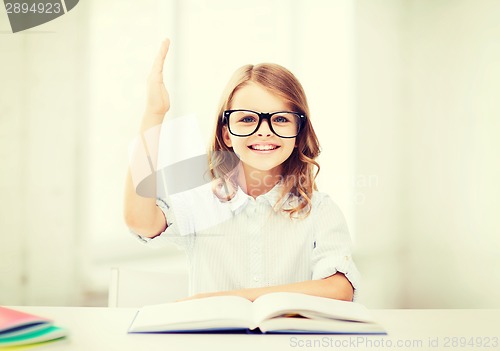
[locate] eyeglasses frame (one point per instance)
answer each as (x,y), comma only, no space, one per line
(262,116)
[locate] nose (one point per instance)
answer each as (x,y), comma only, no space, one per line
(264,129)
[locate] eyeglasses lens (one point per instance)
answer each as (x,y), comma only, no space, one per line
(284,124)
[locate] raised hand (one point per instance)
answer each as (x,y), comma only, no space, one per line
(140,211)
(158,101)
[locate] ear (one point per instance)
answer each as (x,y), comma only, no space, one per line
(225,137)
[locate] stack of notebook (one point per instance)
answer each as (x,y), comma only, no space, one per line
(19,328)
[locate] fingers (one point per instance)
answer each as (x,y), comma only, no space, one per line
(157,69)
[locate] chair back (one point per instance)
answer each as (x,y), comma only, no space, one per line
(136,288)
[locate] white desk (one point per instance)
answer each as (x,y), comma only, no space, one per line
(95,329)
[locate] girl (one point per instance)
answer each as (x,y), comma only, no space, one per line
(260,226)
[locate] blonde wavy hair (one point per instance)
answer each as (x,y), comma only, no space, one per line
(299,171)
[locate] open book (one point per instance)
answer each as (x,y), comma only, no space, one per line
(280,312)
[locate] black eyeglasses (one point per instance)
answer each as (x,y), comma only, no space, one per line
(284,124)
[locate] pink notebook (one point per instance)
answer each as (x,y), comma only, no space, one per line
(13,322)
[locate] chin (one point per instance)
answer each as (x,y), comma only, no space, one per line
(262,166)
(263,163)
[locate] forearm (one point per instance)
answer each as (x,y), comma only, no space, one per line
(336,286)
(141,214)
(140,210)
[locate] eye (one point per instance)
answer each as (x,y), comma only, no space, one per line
(280,119)
(248,119)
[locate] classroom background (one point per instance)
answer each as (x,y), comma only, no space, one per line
(403,96)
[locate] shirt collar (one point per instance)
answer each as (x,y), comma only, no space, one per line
(241,199)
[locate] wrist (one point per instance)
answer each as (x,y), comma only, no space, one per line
(155,112)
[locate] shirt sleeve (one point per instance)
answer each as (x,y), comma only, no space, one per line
(332,250)
(179,225)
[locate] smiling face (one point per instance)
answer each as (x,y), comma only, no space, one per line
(263,150)
(249,161)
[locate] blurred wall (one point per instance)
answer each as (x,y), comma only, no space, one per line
(451,157)
(381,96)
(428,127)
(43,113)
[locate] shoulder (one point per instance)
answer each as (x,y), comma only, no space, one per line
(323,202)
(320,204)
(326,214)
(319,198)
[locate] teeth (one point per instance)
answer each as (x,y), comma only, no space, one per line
(263,147)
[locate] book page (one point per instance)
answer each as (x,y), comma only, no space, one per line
(330,326)
(276,304)
(217,312)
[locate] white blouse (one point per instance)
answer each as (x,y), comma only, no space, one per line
(245,243)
